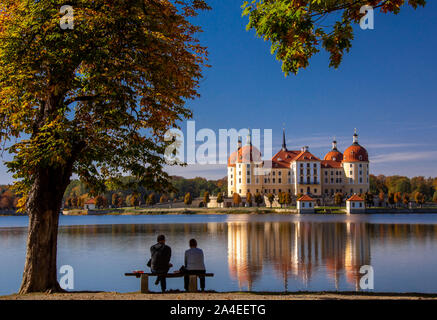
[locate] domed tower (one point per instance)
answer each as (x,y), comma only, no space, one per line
(241,169)
(356,168)
(334,154)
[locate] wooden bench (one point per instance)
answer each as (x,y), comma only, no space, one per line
(144,287)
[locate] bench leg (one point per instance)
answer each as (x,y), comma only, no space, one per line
(192,285)
(144,283)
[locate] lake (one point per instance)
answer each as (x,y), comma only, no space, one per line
(246,252)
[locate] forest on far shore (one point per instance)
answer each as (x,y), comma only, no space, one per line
(76,194)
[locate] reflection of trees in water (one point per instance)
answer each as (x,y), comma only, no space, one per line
(296,249)
(293,249)
(151,229)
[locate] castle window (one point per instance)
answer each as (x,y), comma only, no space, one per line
(257,190)
(273,180)
(326,180)
(315,190)
(361,158)
(332,173)
(265,180)
(239,173)
(350,172)
(308,165)
(232,176)
(279,180)
(361,164)
(279,190)
(332,180)
(361,180)
(257,181)
(289,173)
(248,166)
(248,180)
(315,171)
(315,165)
(239,191)
(326,173)
(239,180)
(279,173)
(248,190)
(274,172)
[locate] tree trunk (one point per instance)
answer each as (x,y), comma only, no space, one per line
(43,207)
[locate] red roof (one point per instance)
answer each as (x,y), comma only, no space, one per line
(355,198)
(331,164)
(305,198)
(334,155)
(355,153)
(306,156)
(90,201)
(283,158)
(246,154)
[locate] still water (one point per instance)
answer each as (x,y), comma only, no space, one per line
(246,252)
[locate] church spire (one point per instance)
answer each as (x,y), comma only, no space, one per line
(334,145)
(355,136)
(284,146)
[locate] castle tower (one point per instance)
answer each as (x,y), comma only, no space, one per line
(356,167)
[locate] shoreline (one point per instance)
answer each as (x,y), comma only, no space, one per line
(211,295)
(229,211)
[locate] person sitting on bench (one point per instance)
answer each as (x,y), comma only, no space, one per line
(194,264)
(160,261)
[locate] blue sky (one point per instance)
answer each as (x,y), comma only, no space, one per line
(386,87)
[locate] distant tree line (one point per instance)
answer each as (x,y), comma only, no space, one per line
(185,190)
(401,190)
(8,199)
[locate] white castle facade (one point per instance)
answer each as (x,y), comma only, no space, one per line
(299,171)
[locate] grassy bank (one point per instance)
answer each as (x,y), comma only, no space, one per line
(237,210)
(160,211)
(223,296)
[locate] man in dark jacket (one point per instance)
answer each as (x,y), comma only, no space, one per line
(160,261)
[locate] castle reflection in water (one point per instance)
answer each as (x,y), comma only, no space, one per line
(296,252)
(296,249)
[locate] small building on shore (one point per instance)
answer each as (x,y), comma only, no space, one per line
(90,204)
(227,202)
(306,204)
(355,204)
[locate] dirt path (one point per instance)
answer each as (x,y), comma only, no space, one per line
(220,296)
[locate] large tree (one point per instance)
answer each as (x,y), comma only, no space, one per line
(94,101)
(298,29)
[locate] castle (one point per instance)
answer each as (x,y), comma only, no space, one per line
(299,172)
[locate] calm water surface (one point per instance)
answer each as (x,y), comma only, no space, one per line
(246,252)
